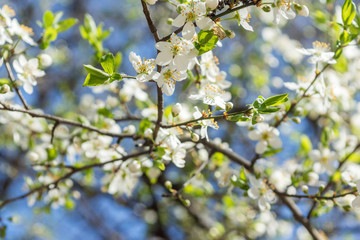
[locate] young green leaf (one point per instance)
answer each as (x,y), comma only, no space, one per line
(48,19)
(66,24)
(108,63)
(96,72)
(92,80)
(206,41)
(348,12)
(276,100)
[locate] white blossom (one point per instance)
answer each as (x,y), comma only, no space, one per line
(194,11)
(143,67)
(27,72)
(319,53)
(267,136)
(174,51)
(167,79)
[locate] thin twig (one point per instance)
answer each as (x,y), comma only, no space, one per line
(68,175)
(6,107)
(330,183)
(13,84)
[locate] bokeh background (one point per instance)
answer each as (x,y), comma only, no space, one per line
(257,63)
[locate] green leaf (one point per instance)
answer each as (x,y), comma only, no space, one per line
(4,81)
(48,19)
(105,112)
(66,24)
(305,145)
(118,60)
(239,117)
(268,110)
(52,153)
(144,124)
(96,72)
(206,41)
(92,80)
(108,63)
(348,12)
(276,100)
(115,77)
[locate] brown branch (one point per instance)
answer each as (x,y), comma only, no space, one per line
(34,114)
(68,175)
(149,21)
(12,79)
(286,200)
(315,197)
(212,17)
(224,116)
(330,183)
(159,91)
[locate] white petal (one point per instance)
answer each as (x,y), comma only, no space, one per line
(356,202)
(179,20)
(163,58)
(188,31)
(253,193)
(181,62)
(204,23)
(254,135)
(261,147)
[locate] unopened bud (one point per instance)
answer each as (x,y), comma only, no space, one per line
(176,109)
(134,166)
(195,137)
(302,11)
(151,2)
(45,60)
(212,4)
(148,133)
(230,34)
(186,202)
(131,129)
(296,120)
(5,88)
(229,106)
(321,187)
(305,189)
(33,156)
(168,185)
(259,119)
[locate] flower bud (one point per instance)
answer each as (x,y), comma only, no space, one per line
(304,11)
(148,133)
(259,119)
(230,34)
(305,189)
(131,129)
(212,4)
(33,156)
(134,166)
(151,2)
(186,202)
(195,137)
(176,109)
(296,120)
(229,106)
(5,88)
(45,60)
(168,185)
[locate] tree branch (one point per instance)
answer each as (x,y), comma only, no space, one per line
(68,175)
(12,79)
(287,201)
(34,114)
